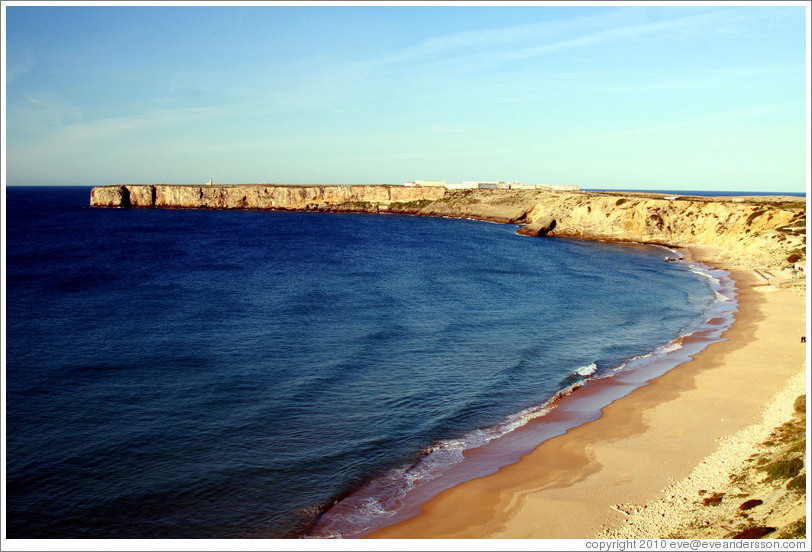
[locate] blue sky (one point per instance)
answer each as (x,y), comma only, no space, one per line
(634,97)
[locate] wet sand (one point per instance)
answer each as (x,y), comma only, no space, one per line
(578,484)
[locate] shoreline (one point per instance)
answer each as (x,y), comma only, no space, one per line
(579,402)
(598,472)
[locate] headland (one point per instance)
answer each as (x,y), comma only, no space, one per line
(767,232)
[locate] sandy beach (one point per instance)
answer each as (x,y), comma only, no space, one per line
(590,481)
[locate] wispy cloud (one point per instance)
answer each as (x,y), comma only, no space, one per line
(111,148)
(53,110)
(18,67)
(172,85)
(462,43)
(482,49)
(97,134)
(702,23)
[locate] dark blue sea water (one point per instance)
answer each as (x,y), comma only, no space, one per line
(230,374)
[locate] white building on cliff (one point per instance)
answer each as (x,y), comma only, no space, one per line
(491,185)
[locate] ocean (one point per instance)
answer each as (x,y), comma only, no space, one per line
(247,374)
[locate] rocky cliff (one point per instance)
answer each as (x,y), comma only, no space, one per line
(345,198)
(767,232)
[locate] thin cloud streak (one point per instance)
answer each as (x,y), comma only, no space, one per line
(18,69)
(590,32)
(71,137)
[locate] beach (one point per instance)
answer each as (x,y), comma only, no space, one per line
(531,338)
(592,481)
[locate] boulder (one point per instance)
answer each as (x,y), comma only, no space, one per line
(754,532)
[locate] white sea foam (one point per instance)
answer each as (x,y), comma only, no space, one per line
(714,280)
(385,495)
(619,367)
(675,345)
(704,271)
(721,297)
(587,370)
(677,255)
(373,506)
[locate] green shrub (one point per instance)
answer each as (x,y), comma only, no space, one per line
(784,469)
(795,530)
(797,484)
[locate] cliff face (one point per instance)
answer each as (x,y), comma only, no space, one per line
(767,232)
(743,233)
(259,197)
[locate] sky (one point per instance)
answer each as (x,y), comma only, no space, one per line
(606,96)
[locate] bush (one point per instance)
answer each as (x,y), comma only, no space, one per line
(798,484)
(784,469)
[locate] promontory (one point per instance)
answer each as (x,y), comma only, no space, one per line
(758,232)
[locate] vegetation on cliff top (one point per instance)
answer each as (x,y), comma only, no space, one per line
(766,496)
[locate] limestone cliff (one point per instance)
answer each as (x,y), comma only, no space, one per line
(742,232)
(260,197)
(746,231)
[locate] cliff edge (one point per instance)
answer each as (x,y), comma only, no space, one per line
(766,232)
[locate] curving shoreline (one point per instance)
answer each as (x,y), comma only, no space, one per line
(579,403)
(585,483)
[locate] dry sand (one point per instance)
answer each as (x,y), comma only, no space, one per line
(585,483)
